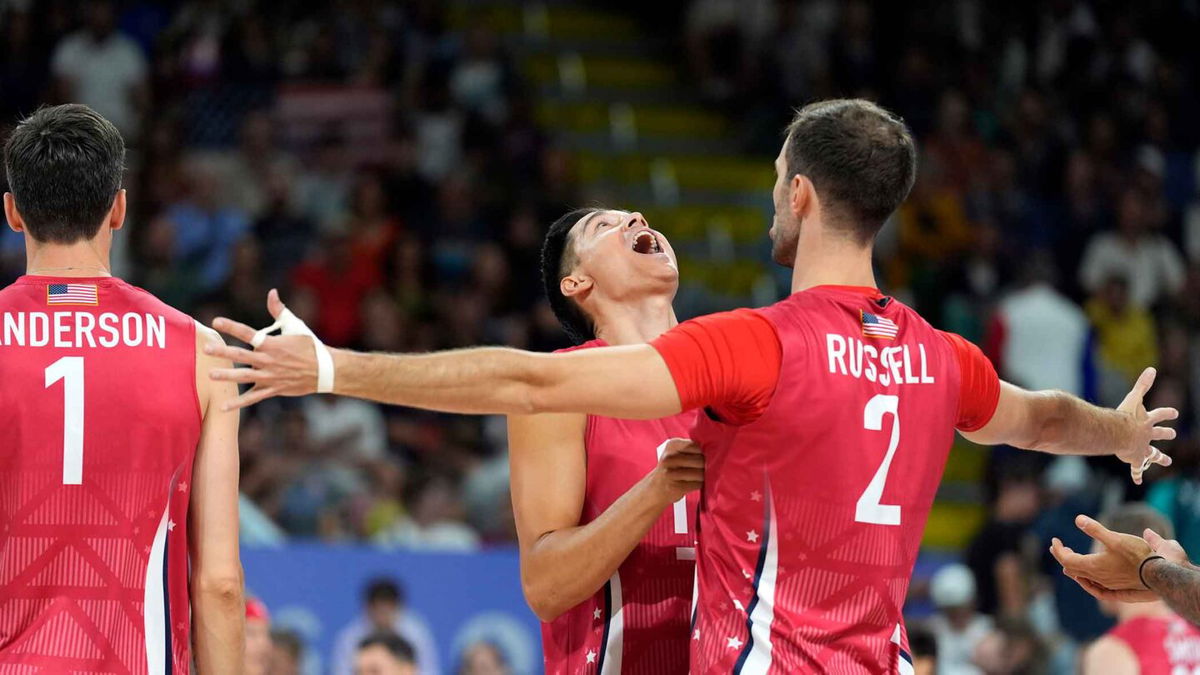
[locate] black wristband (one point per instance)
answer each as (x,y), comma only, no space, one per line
(1143,566)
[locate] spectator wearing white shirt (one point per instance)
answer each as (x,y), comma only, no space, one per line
(957,627)
(1151,263)
(1039,335)
(104,69)
(351,424)
(384,610)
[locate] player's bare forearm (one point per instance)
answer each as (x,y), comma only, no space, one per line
(487,380)
(1059,423)
(217,583)
(1063,424)
(565,567)
(218,623)
(632,381)
(1178,585)
(621,382)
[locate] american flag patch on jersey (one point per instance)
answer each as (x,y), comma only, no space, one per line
(72,294)
(877,326)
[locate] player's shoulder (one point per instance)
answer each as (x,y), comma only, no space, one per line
(1111,653)
(145,301)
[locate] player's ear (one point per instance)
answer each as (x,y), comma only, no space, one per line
(15,223)
(801,195)
(574,284)
(116,215)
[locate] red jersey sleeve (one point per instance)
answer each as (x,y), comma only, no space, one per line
(980,384)
(727,362)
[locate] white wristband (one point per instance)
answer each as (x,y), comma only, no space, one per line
(290,324)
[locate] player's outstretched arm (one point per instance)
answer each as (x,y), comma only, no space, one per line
(562,562)
(218,600)
(631,382)
(1059,423)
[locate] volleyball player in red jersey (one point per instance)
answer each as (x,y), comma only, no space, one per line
(606,561)
(1149,639)
(118,465)
(828,415)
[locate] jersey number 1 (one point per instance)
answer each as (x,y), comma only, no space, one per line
(69,369)
(869,509)
(680,514)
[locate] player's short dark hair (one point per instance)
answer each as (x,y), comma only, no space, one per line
(396,645)
(861,160)
(65,165)
(383,589)
(1135,518)
(558,259)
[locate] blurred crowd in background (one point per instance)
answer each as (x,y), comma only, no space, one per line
(382,166)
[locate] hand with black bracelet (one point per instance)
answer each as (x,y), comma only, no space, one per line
(1125,568)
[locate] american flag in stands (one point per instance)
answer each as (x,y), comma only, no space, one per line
(877,326)
(72,294)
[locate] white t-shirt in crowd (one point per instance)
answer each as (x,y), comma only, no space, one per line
(102,75)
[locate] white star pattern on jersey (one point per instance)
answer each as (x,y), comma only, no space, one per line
(591,656)
(170,526)
(737,604)
(696,635)
(596,614)
(733,643)
(756,496)
(752,536)
(747,575)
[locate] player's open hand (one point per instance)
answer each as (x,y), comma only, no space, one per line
(283,365)
(1140,454)
(1169,549)
(680,469)
(1114,567)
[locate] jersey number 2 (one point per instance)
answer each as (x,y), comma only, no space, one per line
(869,509)
(69,369)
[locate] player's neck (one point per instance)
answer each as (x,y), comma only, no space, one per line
(832,262)
(638,322)
(1154,610)
(81,259)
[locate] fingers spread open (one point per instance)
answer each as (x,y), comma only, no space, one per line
(235,354)
(249,398)
(239,375)
(1162,434)
(1162,415)
(1159,457)
(233,328)
(1144,382)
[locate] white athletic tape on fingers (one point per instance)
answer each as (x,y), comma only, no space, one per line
(290,324)
(1151,459)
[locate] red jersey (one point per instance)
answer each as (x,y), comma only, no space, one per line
(829,425)
(639,622)
(101,421)
(1163,645)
